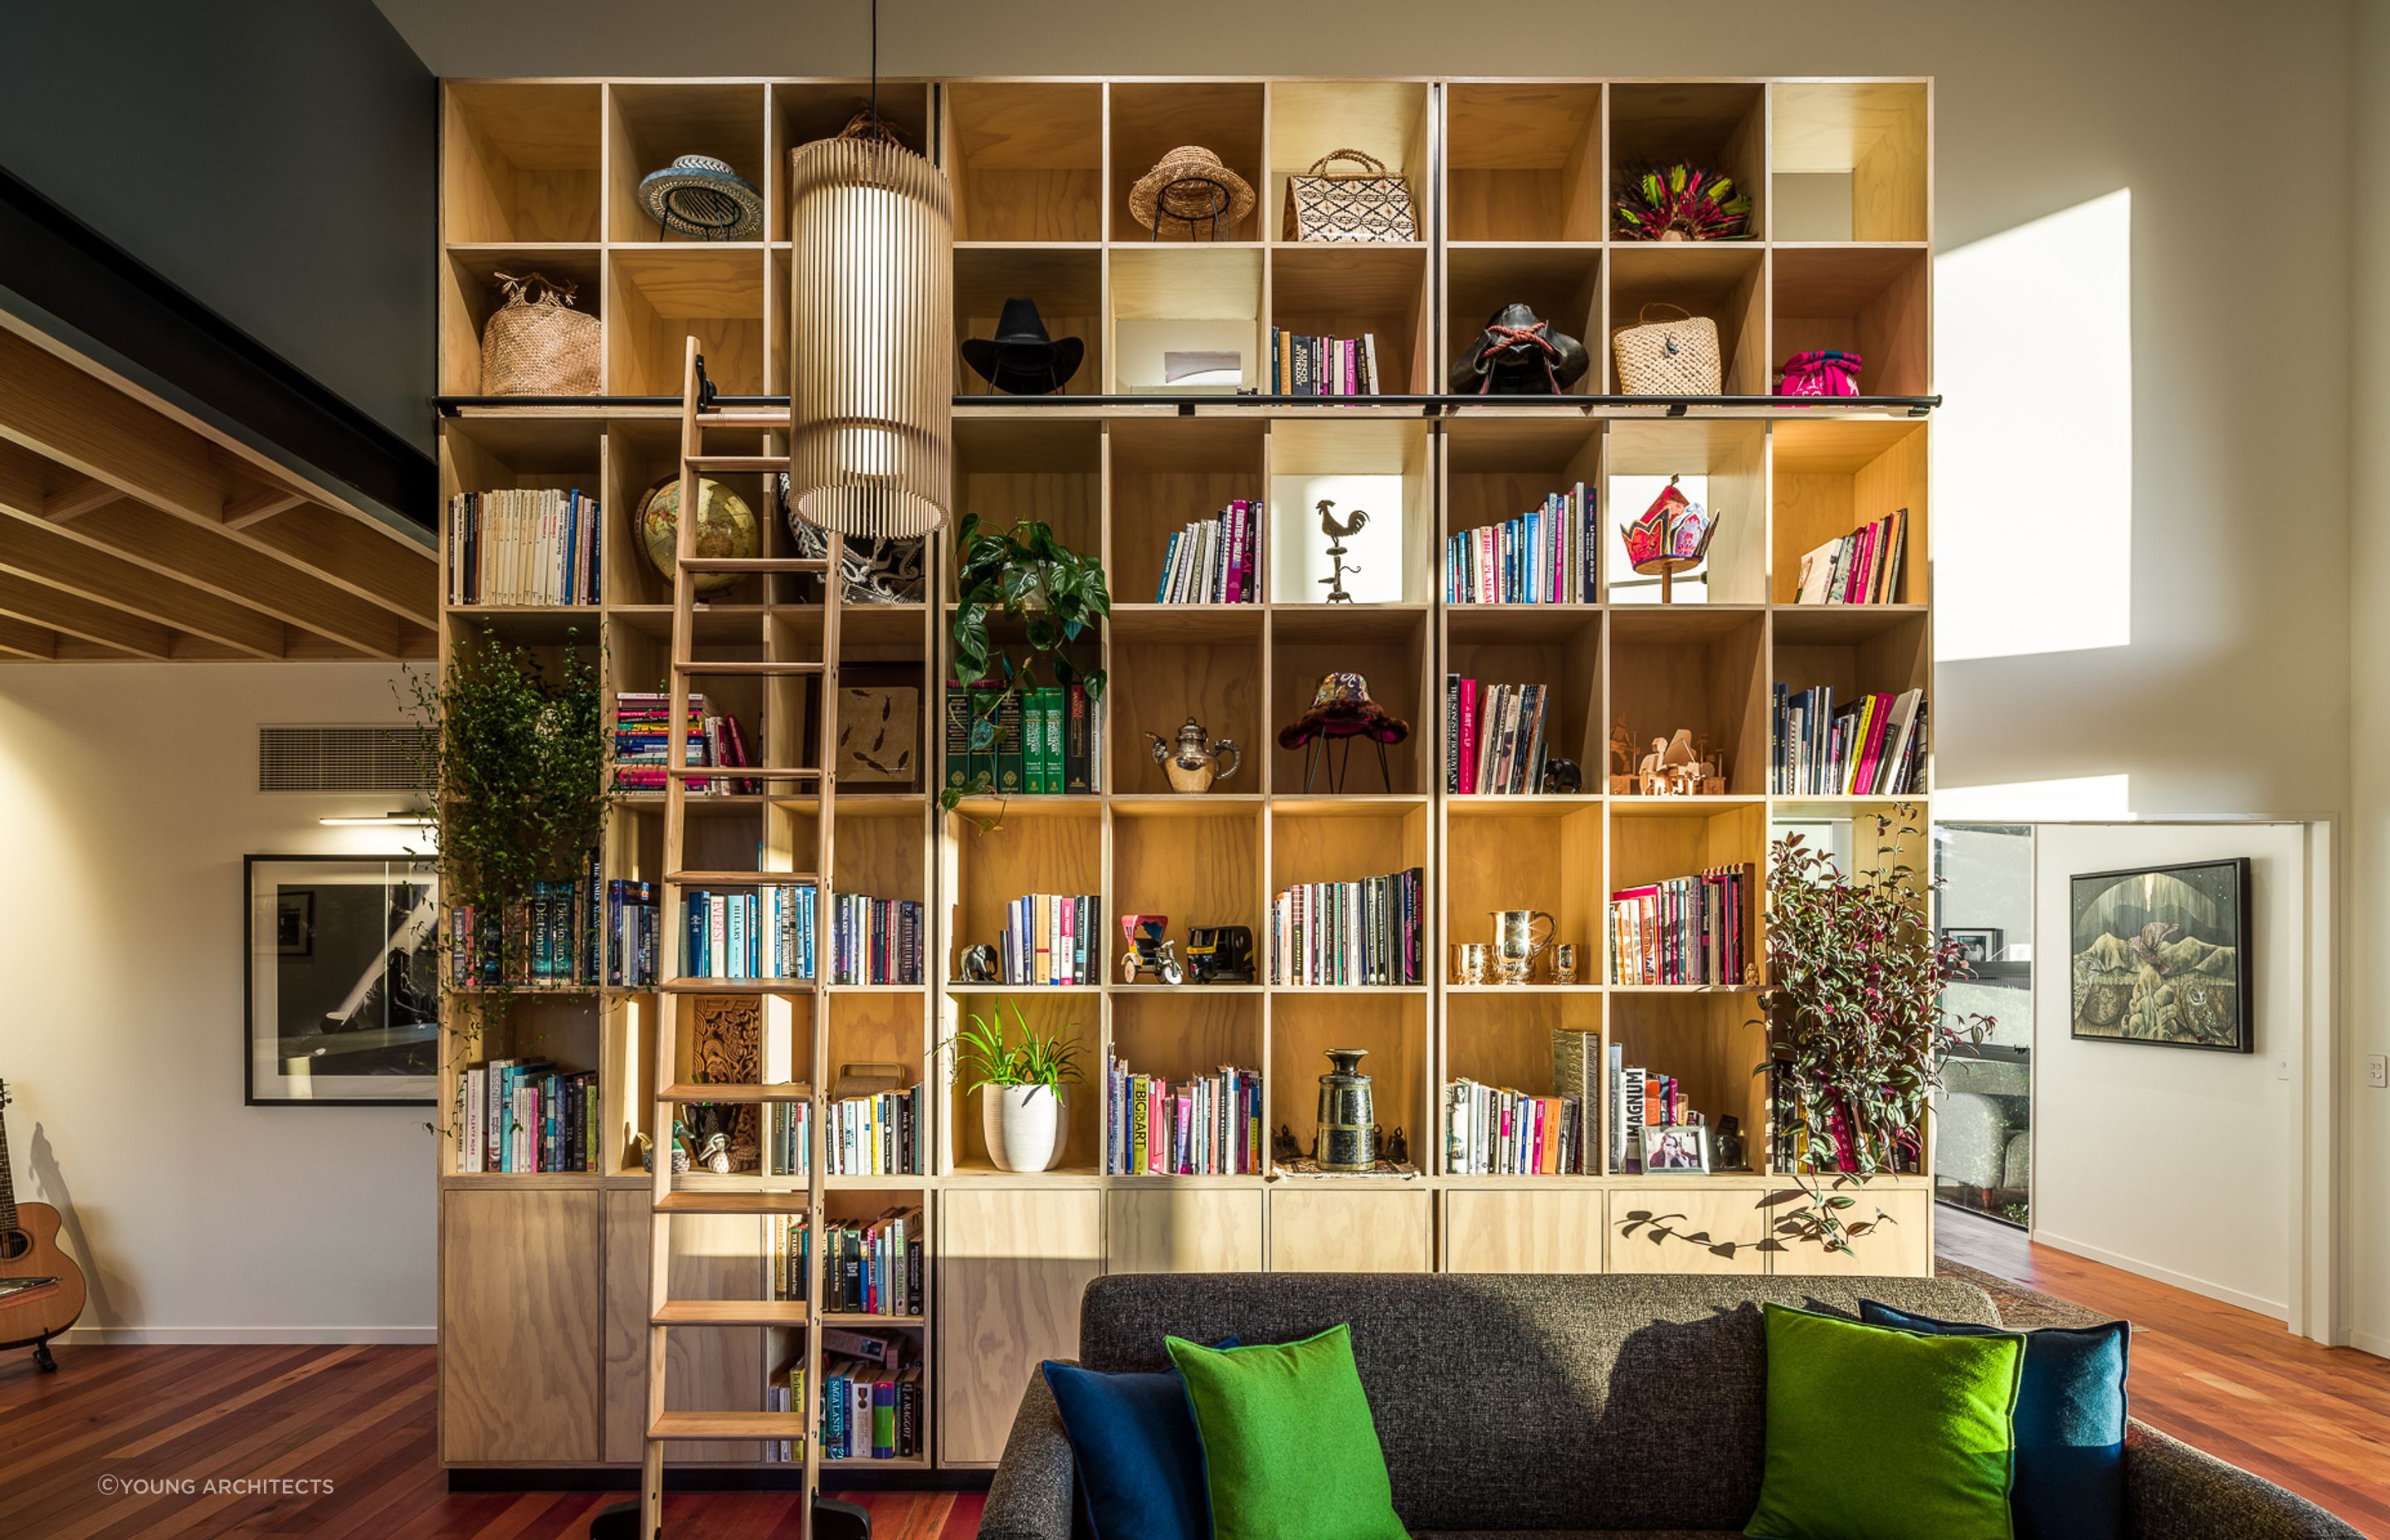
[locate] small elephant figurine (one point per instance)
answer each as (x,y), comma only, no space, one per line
(1561,777)
(979,965)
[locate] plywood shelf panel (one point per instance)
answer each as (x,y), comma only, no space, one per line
(1065,283)
(1151,118)
(1561,283)
(1851,160)
(1523,161)
(1724,281)
(1716,125)
(652,124)
(520,161)
(1025,159)
(471,292)
(1872,300)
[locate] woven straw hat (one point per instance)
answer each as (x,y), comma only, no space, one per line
(700,196)
(1187,163)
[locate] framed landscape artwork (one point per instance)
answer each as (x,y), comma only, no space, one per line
(2160,954)
(344,988)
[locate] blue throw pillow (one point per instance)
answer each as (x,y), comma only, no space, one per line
(2070,1424)
(1141,1465)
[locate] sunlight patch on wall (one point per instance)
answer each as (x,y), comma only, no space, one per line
(2074,798)
(2033,473)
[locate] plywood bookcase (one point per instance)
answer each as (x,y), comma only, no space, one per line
(1512,180)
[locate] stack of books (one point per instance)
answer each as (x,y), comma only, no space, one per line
(787,1138)
(1049,742)
(784,1392)
(1546,555)
(1494,1131)
(876,1136)
(876,941)
(548,939)
(1495,745)
(634,914)
(642,745)
(873,1266)
(1207,1126)
(871,1398)
(1323,365)
(1641,1099)
(1862,566)
(1686,930)
(1050,939)
(1211,561)
(1871,747)
(1363,933)
(526,547)
(768,933)
(526,1115)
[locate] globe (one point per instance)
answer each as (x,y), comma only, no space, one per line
(726,526)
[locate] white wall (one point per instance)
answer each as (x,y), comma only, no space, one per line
(130,797)
(2172,1163)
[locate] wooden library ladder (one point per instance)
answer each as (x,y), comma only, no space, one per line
(799,1424)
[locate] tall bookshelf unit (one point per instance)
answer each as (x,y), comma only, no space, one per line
(544,1290)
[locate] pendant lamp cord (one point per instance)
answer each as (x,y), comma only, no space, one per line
(875,65)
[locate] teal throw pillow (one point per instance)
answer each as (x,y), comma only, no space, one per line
(1288,1450)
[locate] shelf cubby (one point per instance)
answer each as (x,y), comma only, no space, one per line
(1038,845)
(519,162)
(1375,465)
(1050,471)
(1713,1044)
(1345,290)
(1522,160)
(1716,125)
(879,1027)
(798,112)
(1391,1027)
(1723,280)
(470,294)
(1067,284)
(1701,668)
(1504,1038)
(1343,839)
(1557,647)
(1850,160)
(1178,1035)
(1496,468)
(639,455)
(557,1026)
(1072,1015)
(1025,159)
(1563,284)
(1184,297)
(1873,301)
(1729,458)
(1168,473)
(1516,853)
(652,124)
(1311,118)
(1389,647)
(1660,839)
(1150,118)
(1830,478)
(659,296)
(504,454)
(1216,680)
(1193,859)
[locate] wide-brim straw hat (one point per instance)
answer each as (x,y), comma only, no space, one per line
(1187,163)
(697,195)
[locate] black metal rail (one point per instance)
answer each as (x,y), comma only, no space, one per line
(1186,404)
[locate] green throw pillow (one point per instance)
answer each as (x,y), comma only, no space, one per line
(1288,1450)
(1880,1434)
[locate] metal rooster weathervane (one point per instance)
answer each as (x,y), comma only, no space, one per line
(1336,533)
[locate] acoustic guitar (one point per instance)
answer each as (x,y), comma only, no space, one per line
(41,1289)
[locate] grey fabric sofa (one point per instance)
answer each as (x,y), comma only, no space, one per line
(1571,1407)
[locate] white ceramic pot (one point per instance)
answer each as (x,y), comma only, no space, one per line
(1024,1125)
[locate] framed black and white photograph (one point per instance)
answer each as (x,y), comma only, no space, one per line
(1983,943)
(2160,956)
(342,980)
(1677,1148)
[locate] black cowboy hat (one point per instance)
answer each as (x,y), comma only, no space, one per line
(1020,359)
(1519,354)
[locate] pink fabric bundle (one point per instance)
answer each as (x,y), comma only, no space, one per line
(1828,373)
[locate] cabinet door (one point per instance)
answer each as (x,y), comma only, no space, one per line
(1183,1230)
(520,1276)
(715,1256)
(1900,1244)
(1506,1230)
(1320,1228)
(1015,1262)
(1688,1230)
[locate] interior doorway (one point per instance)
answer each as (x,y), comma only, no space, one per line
(1982,1115)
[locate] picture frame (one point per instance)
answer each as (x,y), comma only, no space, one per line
(1683,1146)
(341,982)
(882,734)
(2159,957)
(1983,943)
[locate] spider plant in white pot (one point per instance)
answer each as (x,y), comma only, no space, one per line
(1021,1081)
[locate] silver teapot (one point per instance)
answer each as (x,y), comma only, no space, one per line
(1193,763)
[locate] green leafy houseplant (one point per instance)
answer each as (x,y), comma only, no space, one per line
(1019,1082)
(1852,1009)
(1056,594)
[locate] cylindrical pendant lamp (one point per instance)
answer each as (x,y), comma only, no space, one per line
(872,358)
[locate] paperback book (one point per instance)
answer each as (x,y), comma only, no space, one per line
(1208,1125)
(1362,933)
(1050,939)
(1323,365)
(1862,566)
(1686,930)
(1494,746)
(1211,561)
(522,546)
(1546,555)
(1874,746)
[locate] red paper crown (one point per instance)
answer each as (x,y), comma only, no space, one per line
(1673,534)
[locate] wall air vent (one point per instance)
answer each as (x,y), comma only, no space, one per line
(335,758)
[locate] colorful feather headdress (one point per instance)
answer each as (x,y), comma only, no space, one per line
(1684,203)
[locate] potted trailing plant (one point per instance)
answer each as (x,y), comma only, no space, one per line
(1054,595)
(1019,1082)
(1856,1033)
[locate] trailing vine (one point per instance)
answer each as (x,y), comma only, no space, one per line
(1052,593)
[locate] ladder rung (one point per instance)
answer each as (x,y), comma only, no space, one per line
(741,772)
(759,418)
(754,564)
(738,986)
(689,1200)
(692,1091)
(707,1425)
(769,671)
(729,1312)
(728,463)
(694,879)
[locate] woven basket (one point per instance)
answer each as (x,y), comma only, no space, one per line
(1372,204)
(1667,357)
(537,344)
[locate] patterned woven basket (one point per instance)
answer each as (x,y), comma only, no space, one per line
(1372,204)
(537,344)
(1668,357)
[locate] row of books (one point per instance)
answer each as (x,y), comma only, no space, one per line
(1210,1125)
(873,1136)
(877,941)
(528,545)
(1494,1131)
(1211,561)
(1496,747)
(868,1411)
(1048,739)
(1323,365)
(526,1115)
(1862,566)
(1050,938)
(765,934)
(868,1266)
(1686,930)
(643,743)
(1870,747)
(1641,1099)
(1361,932)
(546,940)
(634,920)
(1545,555)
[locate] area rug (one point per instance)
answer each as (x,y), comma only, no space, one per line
(2019,1306)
